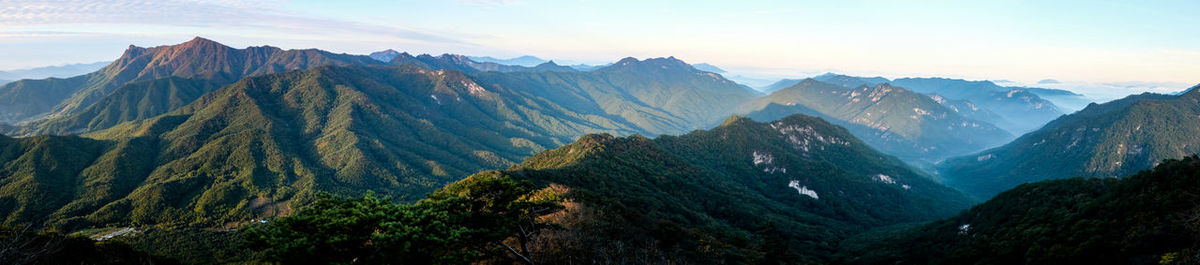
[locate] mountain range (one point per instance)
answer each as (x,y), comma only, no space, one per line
(60,71)
(524,60)
(1103,140)
(113,95)
(185,150)
(1015,109)
(652,166)
(1020,109)
(892,119)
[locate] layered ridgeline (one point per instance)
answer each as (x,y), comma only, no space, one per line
(464,64)
(672,98)
(660,95)
(1014,109)
(892,119)
(263,144)
(199,58)
(1103,140)
(1147,218)
(836,79)
(1020,109)
(60,71)
(741,192)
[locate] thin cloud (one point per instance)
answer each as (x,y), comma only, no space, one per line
(259,15)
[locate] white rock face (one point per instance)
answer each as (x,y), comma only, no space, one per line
(885,179)
(762,158)
(889,180)
(803,190)
(984,157)
(473,88)
(805,138)
(964,229)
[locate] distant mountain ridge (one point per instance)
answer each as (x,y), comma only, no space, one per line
(384,55)
(661,95)
(1022,109)
(708,68)
(58,71)
(892,119)
(1016,110)
(524,60)
(1103,140)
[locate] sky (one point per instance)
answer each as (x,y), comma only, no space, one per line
(1118,47)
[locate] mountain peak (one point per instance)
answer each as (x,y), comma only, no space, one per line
(668,60)
(627,61)
(198,41)
(734,120)
(809,81)
(657,64)
(384,55)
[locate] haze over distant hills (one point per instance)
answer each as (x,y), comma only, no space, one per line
(1103,140)
(60,71)
(1015,109)
(524,60)
(900,122)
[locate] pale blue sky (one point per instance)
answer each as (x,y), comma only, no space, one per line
(1086,41)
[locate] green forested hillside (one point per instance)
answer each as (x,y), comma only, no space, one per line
(701,98)
(892,119)
(1103,140)
(1147,218)
(259,146)
(167,144)
(133,101)
(743,192)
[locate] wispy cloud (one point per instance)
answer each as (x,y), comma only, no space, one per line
(253,15)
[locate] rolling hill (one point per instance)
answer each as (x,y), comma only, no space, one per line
(1146,218)
(707,196)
